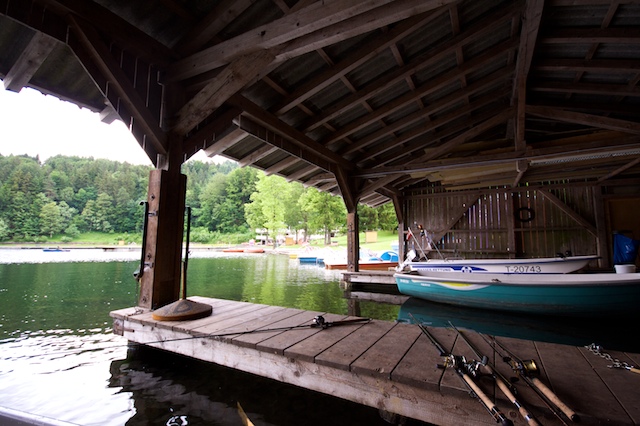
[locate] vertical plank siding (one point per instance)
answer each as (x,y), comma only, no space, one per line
(541,228)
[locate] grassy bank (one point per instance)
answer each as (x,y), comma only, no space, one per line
(382,242)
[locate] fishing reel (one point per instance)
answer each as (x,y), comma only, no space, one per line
(526,367)
(319,321)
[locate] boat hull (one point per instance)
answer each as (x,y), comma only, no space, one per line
(559,294)
(548,265)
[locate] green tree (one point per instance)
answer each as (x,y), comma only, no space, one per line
(241,183)
(4,230)
(367,218)
(269,210)
(294,216)
(325,211)
(387,217)
(50,219)
(211,197)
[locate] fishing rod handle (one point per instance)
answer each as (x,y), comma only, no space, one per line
(485,399)
(523,411)
(635,370)
(554,398)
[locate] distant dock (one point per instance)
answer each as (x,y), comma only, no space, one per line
(387,365)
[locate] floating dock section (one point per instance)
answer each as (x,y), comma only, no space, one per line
(388,365)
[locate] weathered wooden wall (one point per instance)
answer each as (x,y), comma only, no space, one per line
(495,223)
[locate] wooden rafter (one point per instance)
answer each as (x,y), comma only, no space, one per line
(30,60)
(589,120)
(336,72)
(231,80)
(115,27)
(574,152)
(302,144)
(309,21)
(102,58)
(529,34)
(429,58)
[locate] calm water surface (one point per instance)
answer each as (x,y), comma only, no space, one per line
(60,359)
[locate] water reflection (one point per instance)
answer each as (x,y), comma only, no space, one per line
(171,389)
(60,359)
(612,333)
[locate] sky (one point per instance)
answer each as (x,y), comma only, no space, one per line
(35,124)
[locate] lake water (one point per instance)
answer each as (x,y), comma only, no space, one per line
(59,358)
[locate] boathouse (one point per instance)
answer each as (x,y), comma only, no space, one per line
(497,128)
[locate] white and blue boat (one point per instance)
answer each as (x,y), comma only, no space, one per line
(544,265)
(549,294)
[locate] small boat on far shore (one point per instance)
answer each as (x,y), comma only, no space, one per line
(554,294)
(55,250)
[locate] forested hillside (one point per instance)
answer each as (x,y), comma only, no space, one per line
(67,196)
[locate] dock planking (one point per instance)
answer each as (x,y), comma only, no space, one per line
(387,365)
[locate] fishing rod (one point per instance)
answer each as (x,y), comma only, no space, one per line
(528,370)
(317,322)
(462,368)
(503,383)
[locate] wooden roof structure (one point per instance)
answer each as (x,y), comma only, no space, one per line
(373,97)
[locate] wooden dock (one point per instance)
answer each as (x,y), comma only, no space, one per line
(387,365)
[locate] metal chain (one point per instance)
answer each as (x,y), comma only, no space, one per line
(615,362)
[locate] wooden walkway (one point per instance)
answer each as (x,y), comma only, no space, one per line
(387,365)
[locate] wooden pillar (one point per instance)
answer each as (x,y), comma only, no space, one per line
(602,231)
(160,283)
(348,185)
(353,242)
(514,238)
(400,208)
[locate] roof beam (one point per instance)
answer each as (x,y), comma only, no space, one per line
(589,120)
(429,58)
(29,61)
(231,80)
(568,154)
(354,60)
(303,143)
(111,71)
(431,126)
(277,140)
(615,66)
(400,102)
(212,138)
(586,88)
(528,37)
(207,29)
(624,35)
(311,20)
(127,35)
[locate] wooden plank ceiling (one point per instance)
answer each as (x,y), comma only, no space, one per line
(378,96)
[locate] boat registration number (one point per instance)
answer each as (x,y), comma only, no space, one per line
(524,269)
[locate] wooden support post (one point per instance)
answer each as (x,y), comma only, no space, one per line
(602,240)
(160,283)
(400,208)
(353,242)
(513,239)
